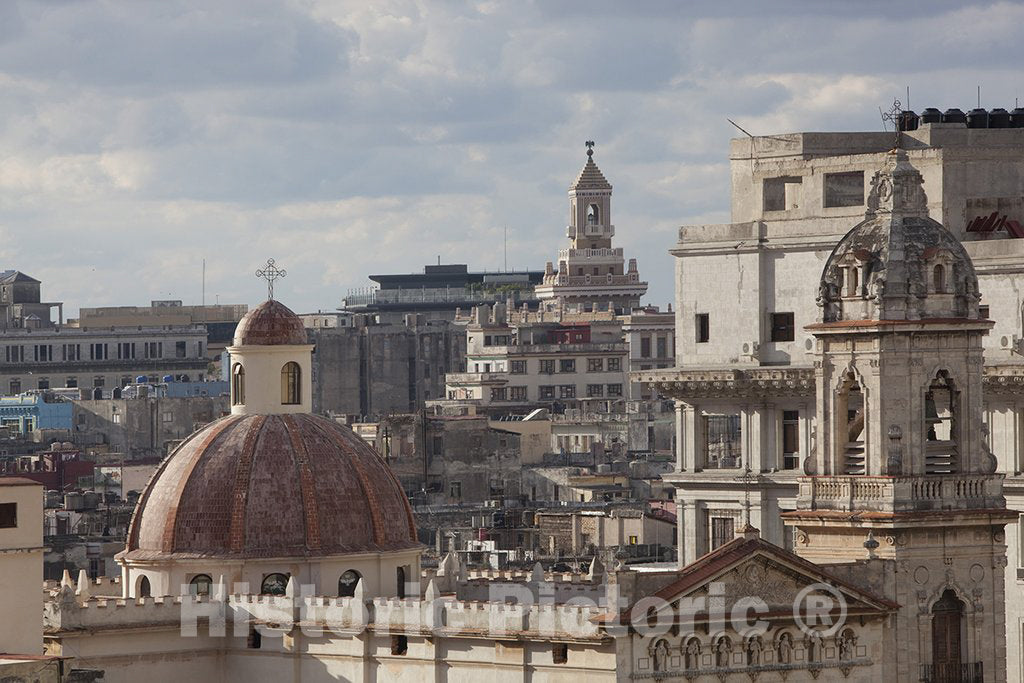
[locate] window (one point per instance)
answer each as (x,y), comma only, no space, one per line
(400,581)
(546,392)
(593,215)
(181,349)
(940,414)
(98,382)
(939,278)
(782,327)
(790,439)
(547,366)
(844,189)
(645,347)
(455,490)
(72,352)
(44,383)
(595,365)
(43,352)
(518,393)
(850,414)
(947,646)
(238,385)
(15,354)
(722,441)
(498,394)
(567,365)
(487,340)
(200,584)
(501,340)
(71,382)
(559,653)
(633,540)
(291,384)
(567,391)
(347,583)
(153,349)
(780,194)
(15,387)
(517,367)
(274,584)
(98,351)
(168,416)
(615,390)
(702,323)
(399,645)
(595,390)
(983,312)
(662,347)
(145,590)
(255,640)
(116,418)
(614,365)
(8,515)
(721,531)
(126,350)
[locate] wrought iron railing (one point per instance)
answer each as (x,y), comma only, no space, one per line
(972,672)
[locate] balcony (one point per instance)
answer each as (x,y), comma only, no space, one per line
(476,378)
(902,494)
(953,673)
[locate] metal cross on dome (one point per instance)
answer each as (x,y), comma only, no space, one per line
(590,147)
(893,116)
(270,273)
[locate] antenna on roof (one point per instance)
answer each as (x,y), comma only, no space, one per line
(979,97)
(506,248)
(739,128)
(908,97)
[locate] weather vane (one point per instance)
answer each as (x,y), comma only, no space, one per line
(894,115)
(270,273)
(590,148)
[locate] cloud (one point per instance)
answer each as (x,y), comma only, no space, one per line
(346,138)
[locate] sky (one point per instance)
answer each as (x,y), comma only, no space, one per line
(345,139)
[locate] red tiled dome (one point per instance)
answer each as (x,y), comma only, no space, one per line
(250,486)
(269,324)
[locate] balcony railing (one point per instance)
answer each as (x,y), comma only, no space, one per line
(894,494)
(953,673)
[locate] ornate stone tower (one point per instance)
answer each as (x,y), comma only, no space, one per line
(591,274)
(901,483)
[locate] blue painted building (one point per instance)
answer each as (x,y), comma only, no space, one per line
(26,412)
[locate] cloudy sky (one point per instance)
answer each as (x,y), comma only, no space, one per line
(348,138)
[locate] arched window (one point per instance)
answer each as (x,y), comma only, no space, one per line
(144,590)
(237,385)
(947,647)
(400,578)
(200,584)
(347,583)
(274,584)
(939,278)
(291,384)
(593,215)
(850,418)
(940,416)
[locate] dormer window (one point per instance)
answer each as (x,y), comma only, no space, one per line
(939,278)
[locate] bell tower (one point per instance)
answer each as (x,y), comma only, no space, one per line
(901,481)
(590,207)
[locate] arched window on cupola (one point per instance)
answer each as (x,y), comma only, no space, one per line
(237,385)
(939,278)
(593,215)
(941,401)
(291,384)
(849,426)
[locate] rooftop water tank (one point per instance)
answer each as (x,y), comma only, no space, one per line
(999,118)
(1017,118)
(168,378)
(954,115)
(141,379)
(977,118)
(908,120)
(931,115)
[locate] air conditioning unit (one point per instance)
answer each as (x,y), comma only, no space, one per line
(748,349)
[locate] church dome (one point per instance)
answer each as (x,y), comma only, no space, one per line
(270,324)
(898,264)
(263,486)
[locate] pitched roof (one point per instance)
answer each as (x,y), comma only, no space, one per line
(590,178)
(9,276)
(739,550)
